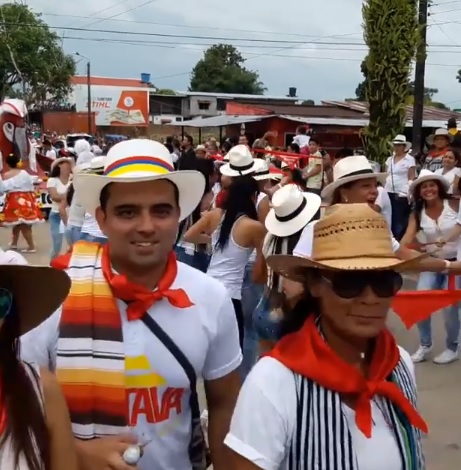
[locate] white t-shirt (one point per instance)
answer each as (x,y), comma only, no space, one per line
(91,226)
(384,203)
(264,422)
(304,246)
(206,333)
(449,176)
(314,182)
(61,188)
(397,178)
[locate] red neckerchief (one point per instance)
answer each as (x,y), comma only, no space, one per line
(139,298)
(306,353)
(437,153)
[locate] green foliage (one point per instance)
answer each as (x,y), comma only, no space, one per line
(221,70)
(165,91)
(309,102)
(392,34)
(32,58)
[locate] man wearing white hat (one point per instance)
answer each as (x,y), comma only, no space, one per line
(139,329)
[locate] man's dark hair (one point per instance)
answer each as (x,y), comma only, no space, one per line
(105,195)
(343,153)
(189,139)
(313,139)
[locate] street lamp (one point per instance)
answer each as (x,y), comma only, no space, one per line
(88,84)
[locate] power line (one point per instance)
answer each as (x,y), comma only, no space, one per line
(209,38)
(174,45)
(100,20)
(276,33)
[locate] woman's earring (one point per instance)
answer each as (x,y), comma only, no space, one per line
(346,200)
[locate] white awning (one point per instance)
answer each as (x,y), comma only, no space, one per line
(218,121)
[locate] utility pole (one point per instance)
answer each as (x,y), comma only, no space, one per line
(420,70)
(88,84)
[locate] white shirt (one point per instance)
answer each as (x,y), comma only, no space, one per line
(20,183)
(397,178)
(302,140)
(91,226)
(434,230)
(384,203)
(60,187)
(264,422)
(206,333)
(51,154)
(449,176)
(304,246)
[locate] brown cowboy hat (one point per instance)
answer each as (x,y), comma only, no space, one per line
(37,291)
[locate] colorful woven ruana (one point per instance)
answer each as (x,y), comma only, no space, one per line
(90,355)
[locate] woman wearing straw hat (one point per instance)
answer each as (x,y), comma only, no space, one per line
(434,218)
(336,391)
(354,182)
(291,211)
(34,422)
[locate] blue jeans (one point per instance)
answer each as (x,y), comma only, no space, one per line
(400,214)
(56,237)
(73,234)
(438,281)
(90,238)
(266,327)
(199,260)
(251,295)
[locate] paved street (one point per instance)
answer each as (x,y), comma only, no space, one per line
(439,386)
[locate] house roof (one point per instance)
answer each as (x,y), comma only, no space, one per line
(217,121)
(107,81)
(430,113)
(234,96)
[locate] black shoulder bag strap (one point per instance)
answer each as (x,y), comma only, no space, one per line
(198,452)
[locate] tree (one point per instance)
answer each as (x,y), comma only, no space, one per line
(392,34)
(308,103)
(33,64)
(221,70)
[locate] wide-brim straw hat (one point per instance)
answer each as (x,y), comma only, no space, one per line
(240,162)
(351,169)
(440,132)
(352,237)
(262,170)
(136,161)
(291,210)
(427,175)
(59,160)
(37,291)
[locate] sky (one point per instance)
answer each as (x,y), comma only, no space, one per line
(315,46)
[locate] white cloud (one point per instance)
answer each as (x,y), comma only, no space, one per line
(318,71)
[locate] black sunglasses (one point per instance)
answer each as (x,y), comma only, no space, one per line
(350,284)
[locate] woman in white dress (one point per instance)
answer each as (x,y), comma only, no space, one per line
(34,422)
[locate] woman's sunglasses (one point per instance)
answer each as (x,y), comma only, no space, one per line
(6,303)
(350,284)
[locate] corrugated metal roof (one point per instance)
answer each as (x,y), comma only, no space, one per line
(218,121)
(430,113)
(231,96)
(352,122)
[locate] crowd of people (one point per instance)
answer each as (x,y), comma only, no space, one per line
(191,263)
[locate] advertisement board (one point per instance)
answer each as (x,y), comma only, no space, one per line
(114,105)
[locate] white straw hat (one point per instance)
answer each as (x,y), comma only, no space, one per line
(440,132)
(139,160)
(427,175)
(241,162)
(351,169)
(291,210)
(400,139)
(262,170)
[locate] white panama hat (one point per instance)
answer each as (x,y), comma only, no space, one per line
(291,210)
(440,132)
(241,162)
(60,160)
(140,160)
(351,169)
(427,175)
(262,170)
(400,139)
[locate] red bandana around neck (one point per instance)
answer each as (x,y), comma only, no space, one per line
(306,353)
(139,298)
